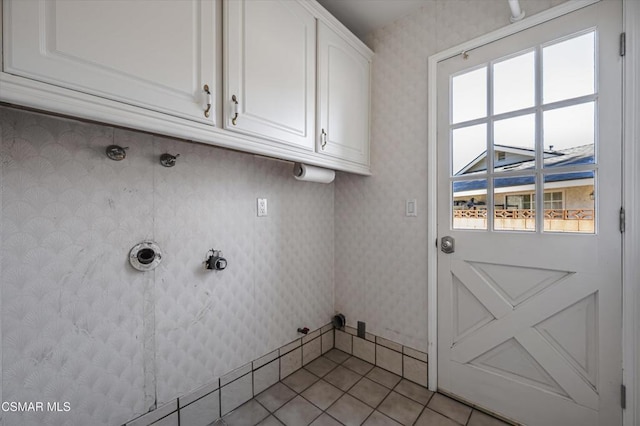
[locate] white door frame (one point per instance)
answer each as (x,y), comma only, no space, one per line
(631,183)
(631,237)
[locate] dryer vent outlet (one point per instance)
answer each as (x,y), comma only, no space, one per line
(339,321)
(145,256)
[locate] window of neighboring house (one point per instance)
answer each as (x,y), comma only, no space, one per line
(502,156)
(519,202)
(552,200)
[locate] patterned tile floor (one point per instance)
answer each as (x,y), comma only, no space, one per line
(338,389)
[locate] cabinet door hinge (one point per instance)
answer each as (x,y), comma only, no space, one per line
(623,44)
(623,396)
(622,219)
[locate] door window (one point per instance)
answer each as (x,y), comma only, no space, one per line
(524,125)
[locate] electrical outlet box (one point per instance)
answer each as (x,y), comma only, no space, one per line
(262,207)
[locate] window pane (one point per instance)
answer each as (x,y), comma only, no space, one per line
(553,200)
(469,95)
(517,201)
(514,141)
(568,68)
(514,204)
(569,135)
(470,204)
(469,144)
(514,83)
(569,202)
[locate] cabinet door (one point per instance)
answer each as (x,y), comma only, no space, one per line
(270,70)
(343,98)
(155,54)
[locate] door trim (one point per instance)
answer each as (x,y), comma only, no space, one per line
(432,229)
(631,237)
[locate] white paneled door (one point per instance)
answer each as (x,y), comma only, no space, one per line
(529,190)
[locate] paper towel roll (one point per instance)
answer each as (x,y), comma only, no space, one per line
(313,174)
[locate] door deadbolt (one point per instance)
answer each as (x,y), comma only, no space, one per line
(447,244)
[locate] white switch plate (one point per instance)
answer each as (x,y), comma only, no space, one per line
(262,207)
(411,208)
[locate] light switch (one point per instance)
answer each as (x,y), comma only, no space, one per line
(411,208)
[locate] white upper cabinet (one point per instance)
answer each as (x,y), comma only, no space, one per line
(270,62)
(284,78)
(343,98)
(155,54)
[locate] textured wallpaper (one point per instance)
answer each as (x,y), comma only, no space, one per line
(381,273)
(79,325)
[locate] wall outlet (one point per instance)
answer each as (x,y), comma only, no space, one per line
(262,207)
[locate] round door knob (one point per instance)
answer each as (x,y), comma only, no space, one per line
(447,245)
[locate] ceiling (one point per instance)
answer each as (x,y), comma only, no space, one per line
(364,16)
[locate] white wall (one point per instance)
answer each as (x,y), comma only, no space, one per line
(80,325)
(381,273)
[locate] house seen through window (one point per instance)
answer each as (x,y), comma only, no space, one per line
(523,126)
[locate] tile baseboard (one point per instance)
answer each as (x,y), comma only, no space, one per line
(236,387)
(223,395)
(404,361)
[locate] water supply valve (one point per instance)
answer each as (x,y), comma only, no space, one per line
(215,260)
(168,160)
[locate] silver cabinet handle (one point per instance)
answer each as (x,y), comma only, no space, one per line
(207,111)
(323,139)
(235,110)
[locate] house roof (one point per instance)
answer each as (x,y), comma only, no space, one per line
(572,156)
(523,152)
(577,155)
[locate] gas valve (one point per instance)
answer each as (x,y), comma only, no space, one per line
(215,261)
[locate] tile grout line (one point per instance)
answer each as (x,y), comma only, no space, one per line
(342,363)
(252,370)
(453,399)
(346,392)
(269,413)
(424,408)
(375,408)
(219,399)
(356,398)
(308,387)
(393,389)
(469,418)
